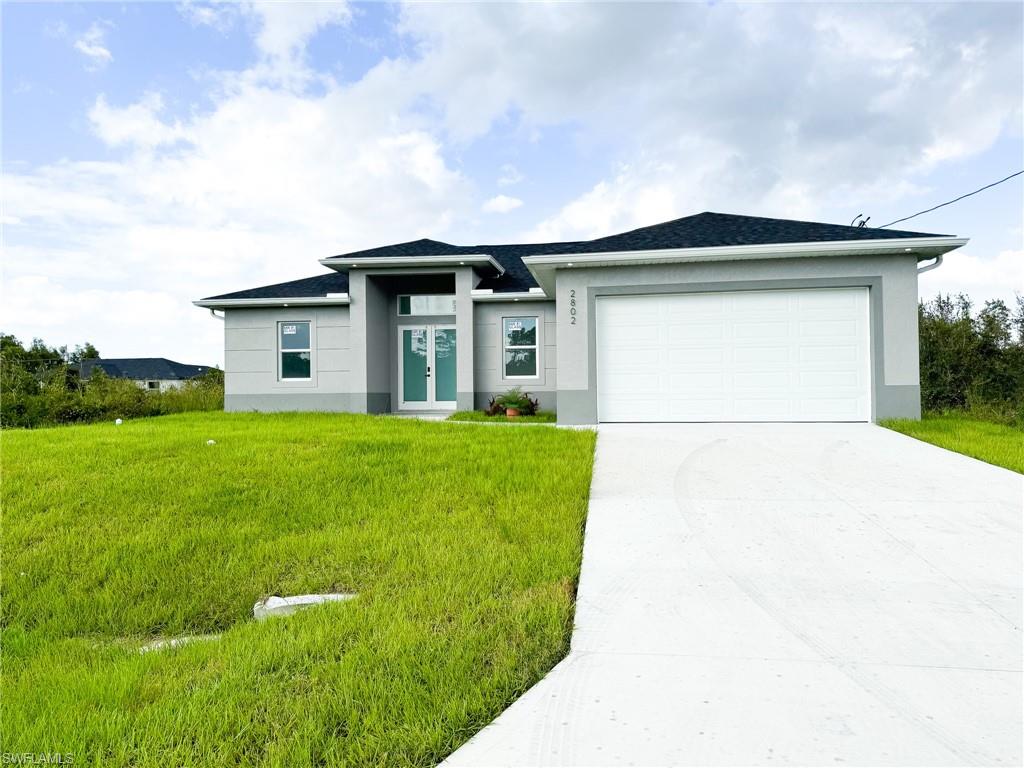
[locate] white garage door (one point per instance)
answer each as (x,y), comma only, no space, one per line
(801,355)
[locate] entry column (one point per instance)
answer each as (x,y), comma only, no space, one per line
(464,399)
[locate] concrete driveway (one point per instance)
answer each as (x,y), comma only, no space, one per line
(788,594)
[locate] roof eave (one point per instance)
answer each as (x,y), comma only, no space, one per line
(341,299)
(543,266)
(343,264)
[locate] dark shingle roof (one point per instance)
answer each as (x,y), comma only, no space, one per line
(703,230)
(141,368)
(318,285)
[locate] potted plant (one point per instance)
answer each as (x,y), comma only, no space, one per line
(513,401)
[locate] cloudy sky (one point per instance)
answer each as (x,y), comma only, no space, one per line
(158,153)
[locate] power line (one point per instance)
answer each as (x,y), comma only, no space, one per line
(950,202)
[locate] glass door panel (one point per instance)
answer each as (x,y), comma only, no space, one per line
(414,365)
(443,371)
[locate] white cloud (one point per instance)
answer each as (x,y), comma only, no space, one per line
(286,27)
(683,108)
(510,175)
(137,124)
(999,277)
(92,45)
(249,193)
(219,15)
(501,204)
(793,130)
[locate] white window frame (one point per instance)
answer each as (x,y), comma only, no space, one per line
(411,296)
(535,347)
(281,350)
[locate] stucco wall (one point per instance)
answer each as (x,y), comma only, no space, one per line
(488,373)
(892,284)
(250,360)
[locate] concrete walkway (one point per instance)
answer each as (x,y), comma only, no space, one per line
(789,594)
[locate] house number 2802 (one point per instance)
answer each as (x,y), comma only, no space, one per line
(572,306)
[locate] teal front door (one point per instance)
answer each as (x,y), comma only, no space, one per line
(426,367)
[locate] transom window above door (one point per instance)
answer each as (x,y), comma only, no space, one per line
(519,340)
(426,304)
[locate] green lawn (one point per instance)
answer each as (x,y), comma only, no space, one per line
(464,552)
(995,443)
(541,417)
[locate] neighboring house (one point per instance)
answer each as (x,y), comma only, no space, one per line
(711,317)
(153,373)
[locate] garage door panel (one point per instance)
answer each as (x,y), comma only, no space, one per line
(696,410)
(756,408)
(828,328)
(680,334)
(760,330)
(832,355)
(693,356)
(759,355)
(625,383)
(737,356)
(696,380)
(761,379)
(703,306)
(832,379)
(633,336)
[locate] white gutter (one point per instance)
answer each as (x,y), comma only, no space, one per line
(342,264)
(543,266)
(332,299)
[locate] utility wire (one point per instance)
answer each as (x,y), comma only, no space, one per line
(950,202)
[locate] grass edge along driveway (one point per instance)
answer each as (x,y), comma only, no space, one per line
(992,443)
(464,547)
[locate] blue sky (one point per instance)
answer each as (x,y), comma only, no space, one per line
(154,153)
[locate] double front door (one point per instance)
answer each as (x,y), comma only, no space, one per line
(426,367)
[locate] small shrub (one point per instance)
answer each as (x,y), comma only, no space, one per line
(513,398)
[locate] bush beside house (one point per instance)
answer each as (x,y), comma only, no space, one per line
(40,387)
(973,362)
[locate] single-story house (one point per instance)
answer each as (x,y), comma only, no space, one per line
(157,374)
(712,317)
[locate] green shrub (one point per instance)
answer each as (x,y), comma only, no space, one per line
(39,387)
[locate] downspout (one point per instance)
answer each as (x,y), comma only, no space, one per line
(213,312)
(929,267)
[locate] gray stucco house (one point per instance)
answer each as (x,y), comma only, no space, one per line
(711,317)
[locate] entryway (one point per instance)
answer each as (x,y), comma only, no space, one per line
(426,367)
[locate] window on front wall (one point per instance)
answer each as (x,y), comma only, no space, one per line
(519,340)
(425,304)
(295,350)
(152,385)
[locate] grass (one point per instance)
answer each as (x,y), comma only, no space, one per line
(997,444)
(541,417)
(464,553)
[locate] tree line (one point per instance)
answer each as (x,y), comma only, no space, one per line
(973,360)
(40,386)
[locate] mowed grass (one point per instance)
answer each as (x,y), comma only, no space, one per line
(995,443)
(463,546)
(541,417)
